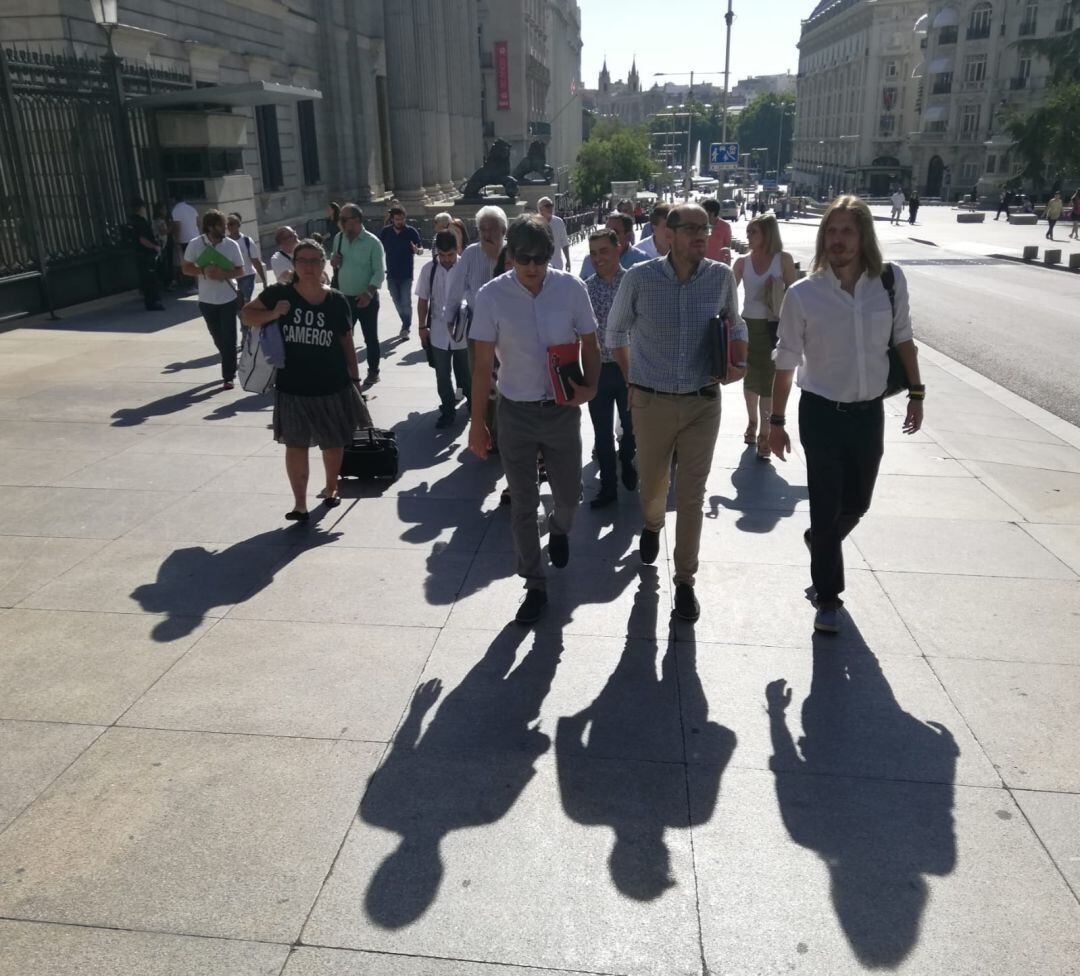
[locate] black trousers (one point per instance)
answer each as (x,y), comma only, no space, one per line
(221,322)
(149,283)
(611,397)
(369,327)
(843,452)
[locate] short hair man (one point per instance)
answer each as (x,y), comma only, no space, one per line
(560,257)
(401,243)
(835,327)
(357,256)
(629,255)
(281,260)
(519,317)
(719,243)
(611,393)
(448,354)
(658,243)
(658,329)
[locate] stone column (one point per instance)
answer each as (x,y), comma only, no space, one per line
(474,125)
(403,92)
(460,85)
(442,36)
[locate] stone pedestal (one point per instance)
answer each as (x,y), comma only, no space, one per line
(529,195)
(468,211)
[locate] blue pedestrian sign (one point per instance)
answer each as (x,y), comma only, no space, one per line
(724,154)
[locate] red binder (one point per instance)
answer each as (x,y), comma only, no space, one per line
(564,365)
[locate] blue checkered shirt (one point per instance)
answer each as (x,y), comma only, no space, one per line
(602,294)
(664,321)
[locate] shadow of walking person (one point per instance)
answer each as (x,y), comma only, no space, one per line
(173,403)
(621,759)
(879,834)
(466,769)
(762,497)
(191,582)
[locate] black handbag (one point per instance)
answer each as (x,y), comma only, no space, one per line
(897,380)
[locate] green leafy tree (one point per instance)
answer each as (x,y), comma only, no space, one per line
(613,151)
(766,118)
(1045,139)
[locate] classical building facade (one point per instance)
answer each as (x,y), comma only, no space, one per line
(857,96)
(530,57)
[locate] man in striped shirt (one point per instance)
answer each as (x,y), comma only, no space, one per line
(658,330)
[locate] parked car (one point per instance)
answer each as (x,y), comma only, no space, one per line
(729,210)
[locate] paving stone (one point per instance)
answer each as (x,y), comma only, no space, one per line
(1005,450)
(405,521)
(153,472)
(60,438)
(1024,716)
(954,546)
(80,513)
(1013,619)
(83,667)
(263,475)
(457,891)
(865,715)
(28,563)
(1062,540)
(278,678)
(205,439)
(391,587)
(924,460)
(1049,496)
(994,424)
(777,487)
(952,498)
(60,950)
(194,834)
(1054,817)
(43,467)
(340,962)
(32,755)
(831,876)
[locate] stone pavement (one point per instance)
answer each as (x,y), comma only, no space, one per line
(229,746)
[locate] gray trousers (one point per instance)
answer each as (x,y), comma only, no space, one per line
(525,430)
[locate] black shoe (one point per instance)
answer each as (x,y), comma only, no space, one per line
(297,516)
(605,497)
(629,475)
(533,605)
(649,546)
(559,549)
(444,421)
(686,605)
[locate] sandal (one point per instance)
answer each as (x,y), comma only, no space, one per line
(297,516)
(331,501)
(749,434)
(764,452)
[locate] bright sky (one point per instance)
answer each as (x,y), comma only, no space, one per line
(682,34)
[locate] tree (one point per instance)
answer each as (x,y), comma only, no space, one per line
(613,151)
(766,118)
(1045,138)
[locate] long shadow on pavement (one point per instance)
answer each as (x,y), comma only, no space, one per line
(173,403)
(762,496)
(878,836)
(635,720)
(467,769)
(193,581)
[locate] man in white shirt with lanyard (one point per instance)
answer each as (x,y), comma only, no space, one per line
(835,328)
(520,316)
(448,356)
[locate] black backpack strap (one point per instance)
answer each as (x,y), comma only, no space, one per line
(888,282)
(431,290)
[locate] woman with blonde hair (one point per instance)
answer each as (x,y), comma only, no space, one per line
(765,273)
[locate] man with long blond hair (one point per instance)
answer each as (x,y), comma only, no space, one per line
(836,327)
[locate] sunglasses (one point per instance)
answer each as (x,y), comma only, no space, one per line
(537,259)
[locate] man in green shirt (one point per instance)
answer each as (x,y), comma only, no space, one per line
(357,257)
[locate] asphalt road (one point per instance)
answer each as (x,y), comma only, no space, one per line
(1018,325)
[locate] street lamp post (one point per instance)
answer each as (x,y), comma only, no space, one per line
(688,182)
(780,139)
(105,16)
(728,18)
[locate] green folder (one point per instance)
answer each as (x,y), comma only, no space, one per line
(211,256)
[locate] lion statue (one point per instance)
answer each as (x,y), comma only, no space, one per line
(533,170)
(496,170)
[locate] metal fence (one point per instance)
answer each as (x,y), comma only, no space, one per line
(71,157)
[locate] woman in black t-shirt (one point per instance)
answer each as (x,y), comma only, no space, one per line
(317,397)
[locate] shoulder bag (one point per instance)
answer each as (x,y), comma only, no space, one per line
(897,380)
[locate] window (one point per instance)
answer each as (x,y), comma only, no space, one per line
(940,125)
(309,143)
(975,69)
(890,69)
(1023,72)
(979,25)
(269,147)
(885,126)
(947,35)
(942,84)
(1029,21)
(969,121)
(969,172)
(991,164)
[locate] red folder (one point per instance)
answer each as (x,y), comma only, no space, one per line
(564,365)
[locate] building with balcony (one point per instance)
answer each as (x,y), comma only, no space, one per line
(974,71)
(530,58)
(857,96)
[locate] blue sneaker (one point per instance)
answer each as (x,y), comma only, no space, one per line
(827,621)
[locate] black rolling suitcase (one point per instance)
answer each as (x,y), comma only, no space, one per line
(372,455)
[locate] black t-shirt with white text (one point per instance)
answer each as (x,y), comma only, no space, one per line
(314,360)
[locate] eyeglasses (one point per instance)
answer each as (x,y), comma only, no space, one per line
(693,229)
(537,259)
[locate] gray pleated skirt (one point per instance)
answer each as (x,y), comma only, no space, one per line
(325,422)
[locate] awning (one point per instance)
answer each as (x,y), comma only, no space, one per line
(940,66)
(947,18)
(247,94)
(920,24)
(935,113)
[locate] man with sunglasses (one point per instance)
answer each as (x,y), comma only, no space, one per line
(658,330)
(519,316)
(357,256)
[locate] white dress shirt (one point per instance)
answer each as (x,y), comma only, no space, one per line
(188,219)
(839,342)
(214,292)
(280,263)
(435,291)
(648,246)
(560,239)
(523,326)
(472,271)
